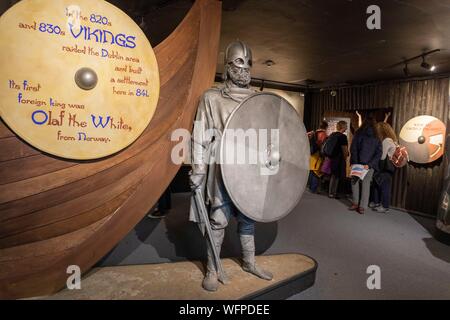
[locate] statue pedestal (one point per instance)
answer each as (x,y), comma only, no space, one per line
(293,273)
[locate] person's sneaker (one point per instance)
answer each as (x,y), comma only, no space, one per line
(381,209)
(157,214)
(373,205)
(353,207)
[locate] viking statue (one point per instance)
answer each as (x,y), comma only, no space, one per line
(214,108)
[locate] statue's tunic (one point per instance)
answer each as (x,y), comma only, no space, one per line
(214,108)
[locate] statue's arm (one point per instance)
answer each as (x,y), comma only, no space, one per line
(200,145)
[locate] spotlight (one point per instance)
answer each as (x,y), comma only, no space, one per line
(142,24)
(426,65)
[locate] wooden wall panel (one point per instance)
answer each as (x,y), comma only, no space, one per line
(55,212)
(415,187)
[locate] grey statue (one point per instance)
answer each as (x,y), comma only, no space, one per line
(215,106)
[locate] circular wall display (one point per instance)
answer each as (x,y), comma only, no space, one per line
(79,78)
(424,138)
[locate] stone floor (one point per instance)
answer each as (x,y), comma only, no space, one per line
(413,264)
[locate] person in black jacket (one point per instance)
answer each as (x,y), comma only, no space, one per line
(339,158)
(366,150)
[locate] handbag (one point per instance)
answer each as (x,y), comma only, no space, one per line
(326,166)
(386,165)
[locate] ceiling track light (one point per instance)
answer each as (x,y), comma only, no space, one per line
(405,62)
(142,24)
(406,70)
(426,65)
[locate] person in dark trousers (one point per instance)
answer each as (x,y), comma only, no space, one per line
(163,205)
(365,150)
(383,178)
(339,158)
(320,135)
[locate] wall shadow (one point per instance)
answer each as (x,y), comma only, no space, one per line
(175,238)
(185,236)
(427,223)
(128,244)
(438,249)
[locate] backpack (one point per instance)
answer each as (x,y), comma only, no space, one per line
(315,163)
(400,157)
(329,146)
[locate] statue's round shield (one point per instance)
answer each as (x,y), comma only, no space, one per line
(264,157)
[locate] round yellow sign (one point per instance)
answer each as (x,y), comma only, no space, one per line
(79,78)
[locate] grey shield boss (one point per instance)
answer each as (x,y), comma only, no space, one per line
(264,157)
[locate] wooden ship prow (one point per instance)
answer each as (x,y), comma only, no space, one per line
(56,212)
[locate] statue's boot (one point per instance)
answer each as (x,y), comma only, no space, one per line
(248,254)
(211,281)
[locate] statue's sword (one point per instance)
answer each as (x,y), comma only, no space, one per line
(204,217)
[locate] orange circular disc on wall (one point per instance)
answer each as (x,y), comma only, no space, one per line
(424,138)
(79,78)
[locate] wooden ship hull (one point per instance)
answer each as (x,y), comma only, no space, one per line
(56,212)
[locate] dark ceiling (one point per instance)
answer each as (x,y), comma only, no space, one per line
(328,41)
(318,41)
(322,41)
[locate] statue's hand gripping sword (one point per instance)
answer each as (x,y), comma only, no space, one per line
(204,219)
